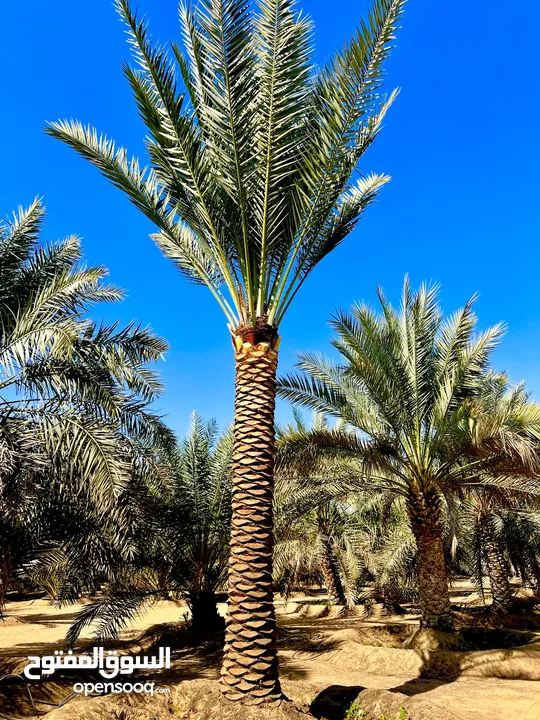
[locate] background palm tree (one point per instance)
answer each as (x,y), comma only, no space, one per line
(73,394)
(386,551)
(179,540)
(505,418)
(250,187)
(410,385)
(312,526)
(314,543)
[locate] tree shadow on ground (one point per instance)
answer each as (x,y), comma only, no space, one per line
(50,620)
(334,701)
(442,668)
(21,698)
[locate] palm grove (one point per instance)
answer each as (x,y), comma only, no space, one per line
(418,447)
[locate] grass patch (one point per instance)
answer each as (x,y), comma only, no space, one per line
(357,712)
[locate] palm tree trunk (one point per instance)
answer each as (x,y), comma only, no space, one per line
(533,569)
(332,577)
(425,517)
(250,667)
(501,590)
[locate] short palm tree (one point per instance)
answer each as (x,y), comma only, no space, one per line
(179,538)
(409,384)
(386,550)
(250,187)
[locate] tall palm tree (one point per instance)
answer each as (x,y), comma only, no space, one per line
(73,394)
(409,384)
(250,186)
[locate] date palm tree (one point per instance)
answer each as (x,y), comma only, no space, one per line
(73,394)
(313,526)
(493,516)
(180,539)
(410,386)
(314,543)
(250,184)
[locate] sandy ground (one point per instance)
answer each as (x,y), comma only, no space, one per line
(317,649)
(38,627)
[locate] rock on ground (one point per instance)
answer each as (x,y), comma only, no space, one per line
(383,702)
(334,702)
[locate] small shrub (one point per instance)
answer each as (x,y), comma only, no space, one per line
(355,712)
(403,715)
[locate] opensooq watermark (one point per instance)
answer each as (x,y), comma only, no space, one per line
(109,665)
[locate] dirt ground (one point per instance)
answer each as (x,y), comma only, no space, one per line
(321,653)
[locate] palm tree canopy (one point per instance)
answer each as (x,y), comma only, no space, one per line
(413,388)
(73,394)
(251,149)
(179,534)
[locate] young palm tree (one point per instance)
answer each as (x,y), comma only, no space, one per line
(410,385)
(180,539)
(250,187)
(387,550)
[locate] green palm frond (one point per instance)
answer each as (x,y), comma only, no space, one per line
(74,416)
(110,615)
(251,149)
(411,385)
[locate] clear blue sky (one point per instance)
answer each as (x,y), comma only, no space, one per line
(462,145)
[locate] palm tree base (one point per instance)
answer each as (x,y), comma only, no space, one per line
(443,622)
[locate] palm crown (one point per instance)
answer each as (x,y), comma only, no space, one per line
(407,383)
(250,170)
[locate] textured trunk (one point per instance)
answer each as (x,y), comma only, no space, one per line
(250,667)
(501,590)
(391,599)
(533,569)
(332,577)
(425,518)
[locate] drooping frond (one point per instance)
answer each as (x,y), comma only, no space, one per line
(75,428)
